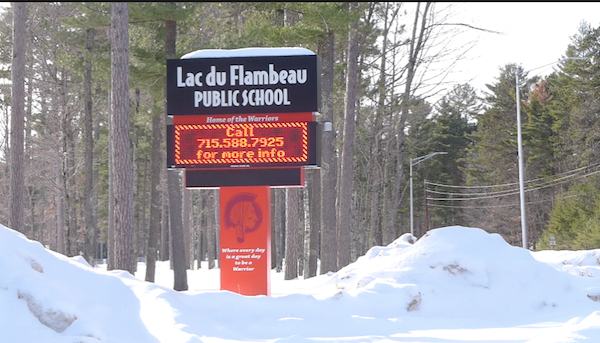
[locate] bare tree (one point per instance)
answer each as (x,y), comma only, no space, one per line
(374,163)
(417,44)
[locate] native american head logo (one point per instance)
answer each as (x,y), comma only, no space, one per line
(243,214)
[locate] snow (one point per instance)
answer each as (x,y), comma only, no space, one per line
(247,52)
(455,284)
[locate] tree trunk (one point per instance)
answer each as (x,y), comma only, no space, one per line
(60,208)
(88,133)
(69,171)
(67,164)
(279,223)
(100,252)
(156,165)
(328,251)
(273,229)
(175,187)
(143,229)
(121,165)
(17,139)
(307,228)
(313,207)
(302,230)
(205,222)
(28,161)
(292,241)
(164,227)
(213,236)
(178,247)
(187,228)
(110,235)
(136,194)
(346,171)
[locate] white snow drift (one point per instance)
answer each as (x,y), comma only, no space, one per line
(455,284)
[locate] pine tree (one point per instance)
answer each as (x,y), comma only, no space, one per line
(538,133)
(454,123)
(492,160)
(571,219)
(577,93)
(575,126)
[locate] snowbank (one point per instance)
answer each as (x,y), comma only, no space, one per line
(463,272)
(47,297)
(456,283)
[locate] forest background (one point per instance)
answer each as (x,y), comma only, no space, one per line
(74,187)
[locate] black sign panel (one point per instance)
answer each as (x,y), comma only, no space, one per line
(273,177)
(244,85)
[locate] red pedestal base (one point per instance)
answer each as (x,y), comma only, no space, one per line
(245,240)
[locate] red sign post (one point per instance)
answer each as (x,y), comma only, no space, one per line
(245,240)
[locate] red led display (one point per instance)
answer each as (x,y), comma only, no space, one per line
(239,145)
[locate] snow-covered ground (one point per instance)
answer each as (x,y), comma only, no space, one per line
(455,284)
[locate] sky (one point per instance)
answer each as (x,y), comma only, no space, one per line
(534,34)
(454,284)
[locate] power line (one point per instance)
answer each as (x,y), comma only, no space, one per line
(513,193)
(489,206)
(461,194)
(503,193)
(475,198)
(452,186)
(509,192)
(506,205)
(574,171)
